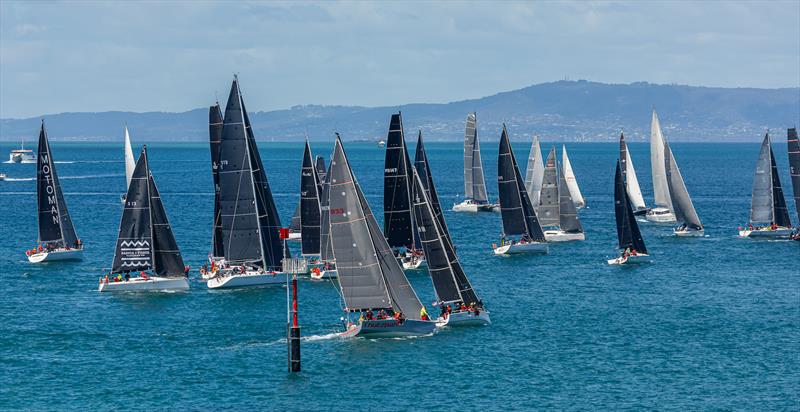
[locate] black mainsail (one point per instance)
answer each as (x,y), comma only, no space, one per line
(398,222)
(55,225)
(423,169)
(628,234)
(215,139)
(369,275)
(794,167)
(449,280)
(309,205)
(145,240)
(681,202)
(515,205)
(474,182)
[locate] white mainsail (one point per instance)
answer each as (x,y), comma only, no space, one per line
(572,184)
(634,192)
(130,164)
(660,187)
(534,173)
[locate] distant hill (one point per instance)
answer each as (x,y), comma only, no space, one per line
(563,110)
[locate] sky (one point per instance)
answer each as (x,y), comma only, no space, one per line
(180,55)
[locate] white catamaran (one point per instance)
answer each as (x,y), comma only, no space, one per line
(130,163)
(630,242)
(519,217)
(769,217)
(145,242)
(371,281)
(682,205)
(475,197)
(557,213)
(631,181)
(57,237)
(662,211)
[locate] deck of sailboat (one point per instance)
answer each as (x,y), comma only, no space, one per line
(390,328)
(140,284)
(60,254)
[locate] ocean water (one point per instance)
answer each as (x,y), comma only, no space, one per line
(712,323)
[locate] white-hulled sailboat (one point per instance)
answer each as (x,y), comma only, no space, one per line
(519,218)
(682,206)
(130,163)
(370,278)
(769,217)
(631,181)
(145,242)
(572,183)
(662,211)
(557,214)
(629,238)
(253,251)
(475,197)
(534,172)
(793,146)
(57,237)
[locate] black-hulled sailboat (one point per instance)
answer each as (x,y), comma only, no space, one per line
(519,218)
(57,238)
(682,205)
(475,197)
(146,256)
(794,172)
(631,181)
(557,213)
(398,218)
(214,139)
(253,251)
(371,279)
(769,217)
(629,237)
(458,303)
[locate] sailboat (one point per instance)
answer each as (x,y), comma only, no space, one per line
(475,197)
(326,257)
(769,217)
(534,172)
(557,214)
(572,183)
(398,218)
(662,211)
(370,278)
(57,237)
(309,206)
(130,163)
(519,218)
(681,202)
(794,171)
(215,140)
(453,289)
(22,155)
(631,181)
(252,248)
(629,237)
(145,242)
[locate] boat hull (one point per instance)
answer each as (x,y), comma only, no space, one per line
(390,328)
(641,258)
(688,233)
(139,284)
(295,237)
(246,279)
(324,274)
(415,264)
(465,318)
(519,248)
(660,215)
(472,207)
(56,255)
(562,236)
(779,233)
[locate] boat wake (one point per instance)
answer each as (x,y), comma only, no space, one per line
(90,176)
(20,179)
(314,338)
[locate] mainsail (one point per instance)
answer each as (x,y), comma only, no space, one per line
(326,248)
(548,209)
(215,139)
(628,234)
(515,205)
(474,182)
(794,167)
(423,169)
(55,225)
(398,222)
(629,175)
(781,212)
(145,240)
(660,188)
(309,205)
(449,280)
(681,202)
(369,275)
(569,177)
(534,173)
(130,163)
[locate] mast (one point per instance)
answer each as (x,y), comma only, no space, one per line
(629,175)
(215,141)
(309,206)
(534,172)
(569,177)
(681,202)
(397,222)
(628,233)
(549,211)
(794,167)
(762,211)
(660,188)
(517,212)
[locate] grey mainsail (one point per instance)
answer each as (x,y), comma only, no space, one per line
(548,210)
(794,167)
(215,139)
(660,189)
(474,181)
(398,222)
(534,172)
(423,169)
(326,248)
(568,213)
(761,210)
(628,234)
(309,205)
(55,224)
(681,202)
(517,212)
(369,275)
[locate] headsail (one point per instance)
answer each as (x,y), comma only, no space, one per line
(518,215)
(398,223)
(215,140)
(167,260)
(548,210)
(794,167)
(309,205)
(569,177)
(681,202)
(534,172)
(628,233)
(423,169)
(567,214)
(130,163)
(55,224)
(629,174)
(660,188)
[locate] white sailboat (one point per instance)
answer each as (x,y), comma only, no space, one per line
(631,181)
(130,163)
(769,216)
(681,202)
(534,172)
(629,238)
(557,213)
(662,211)
(475,196)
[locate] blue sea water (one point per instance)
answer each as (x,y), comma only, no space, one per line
(712,323)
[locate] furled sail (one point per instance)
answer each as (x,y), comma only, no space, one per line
(423,169)
(794,167)
(534,173)
(628,233)
(398,222)
(309,205)
(215,140)
(681,202)
(660,188)
(568,213)
(130,163)
(517,212)
(569,177)
(629,175)
(55,224)
(761,203)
